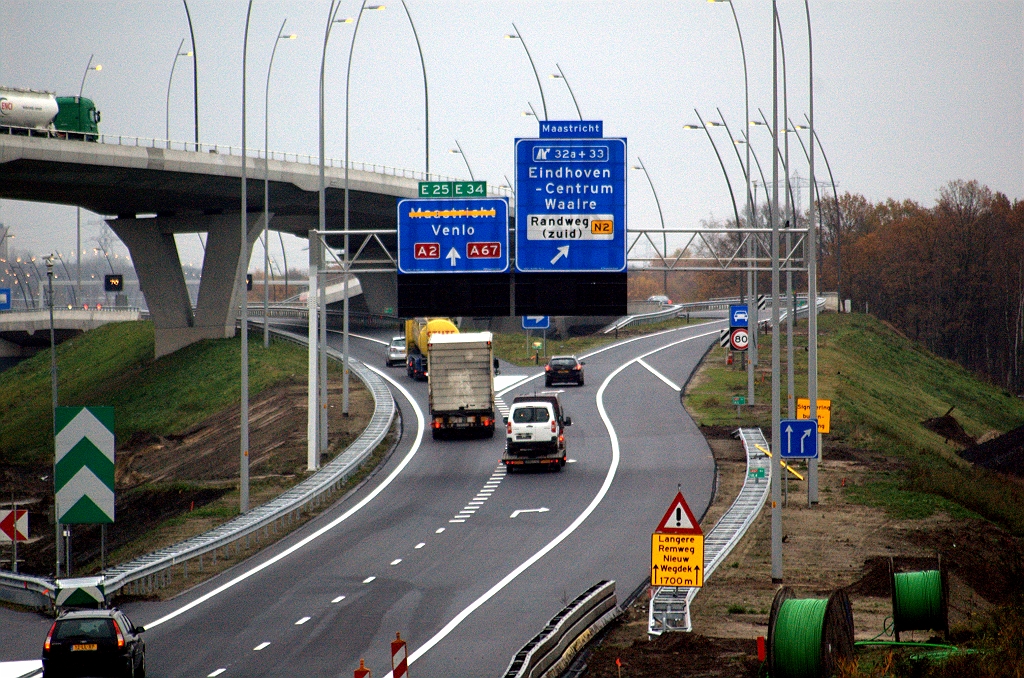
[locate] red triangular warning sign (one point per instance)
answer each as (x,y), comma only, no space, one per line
(678,519)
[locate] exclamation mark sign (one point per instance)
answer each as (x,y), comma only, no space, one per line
(679,516)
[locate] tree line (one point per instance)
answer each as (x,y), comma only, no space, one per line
(950,276)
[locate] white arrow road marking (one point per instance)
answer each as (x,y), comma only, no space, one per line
(542,509)
(659,375)
(562,252)
(452,256)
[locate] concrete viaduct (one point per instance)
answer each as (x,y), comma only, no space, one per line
(200,192)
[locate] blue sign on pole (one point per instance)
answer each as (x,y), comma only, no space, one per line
(799,438)
(570,205)
(5,299)
(571,129)
(468,235)
(738,315)
(536,322)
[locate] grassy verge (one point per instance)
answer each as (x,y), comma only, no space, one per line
(514,347)
(882,387)
(114,365)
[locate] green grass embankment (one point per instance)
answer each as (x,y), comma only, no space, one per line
(882,387)
(114,365)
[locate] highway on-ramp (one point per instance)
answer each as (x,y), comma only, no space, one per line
(441,545)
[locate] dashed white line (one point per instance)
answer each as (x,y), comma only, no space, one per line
(475,503)
(369,579)
(302,621)
(469,509)
(456,520)
(672,385)
(439,530)
(260,647)
(396,561)
(421,545)
(215,673)
(338,599)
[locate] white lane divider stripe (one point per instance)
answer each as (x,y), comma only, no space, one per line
(605,486)
(439,530)
(215,673)
(396,561)
(675,387)
(420,424)
(302,621)
(338,599)
(421,545)
(369,579)
(260,647)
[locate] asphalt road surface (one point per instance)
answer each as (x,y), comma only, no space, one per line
(429,547)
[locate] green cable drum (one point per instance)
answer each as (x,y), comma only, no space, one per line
(919,600)
(807,637)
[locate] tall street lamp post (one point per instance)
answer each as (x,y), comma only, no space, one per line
(53,397)
(458,151)
(664,235)
(751,243)
(426,95)
(266,187)
(732,196)
(78,217)
(167,115)
(561,76)
(519,36)
(195,76)
(244,257)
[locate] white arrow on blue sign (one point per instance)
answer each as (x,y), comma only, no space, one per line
(570,205)
(799,438)
(5,299)
(536,322)
(449,235)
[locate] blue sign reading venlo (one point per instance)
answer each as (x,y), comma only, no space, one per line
(453,236)
(536,322)
(570,205)
(799,438)
(738,316)
(5,299)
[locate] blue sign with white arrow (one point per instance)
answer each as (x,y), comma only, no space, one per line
(536,322)
(570,205)
(468,235)
(5,299)
(799,438)
(738,316)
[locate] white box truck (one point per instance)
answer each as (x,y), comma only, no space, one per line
(460,381)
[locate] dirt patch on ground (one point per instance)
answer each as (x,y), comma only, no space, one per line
(1003,453)
(834,544)
(188,483)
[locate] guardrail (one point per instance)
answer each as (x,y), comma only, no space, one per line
(257,153)
(551,651)
(156,569)
(670,606)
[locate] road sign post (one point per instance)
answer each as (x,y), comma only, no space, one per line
(677,548)
(536,322)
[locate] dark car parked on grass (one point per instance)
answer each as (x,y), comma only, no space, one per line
(94,643)
(565,369)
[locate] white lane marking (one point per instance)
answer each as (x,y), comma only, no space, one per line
(421,545)
(571,461)
(675,387)
(469,509)
(486,492)
(463,515)
(369,579)
(542,509)
(302,621)
(260,647)
(481,497)
(338,599)
(475,504)
(456,520)
(215,673)
(420,424)
(439,530)
(503,381)
(396,561)
(363,336)
(605,486)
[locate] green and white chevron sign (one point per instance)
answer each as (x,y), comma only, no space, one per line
(83,474)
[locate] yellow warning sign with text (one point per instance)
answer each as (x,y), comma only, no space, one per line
(677,560)
(803,411)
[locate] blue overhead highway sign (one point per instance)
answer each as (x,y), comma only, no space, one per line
(799,438)
(5,299)
(536,322)
(570,205)
(467,235)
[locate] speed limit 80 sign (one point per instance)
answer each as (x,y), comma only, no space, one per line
(739,338)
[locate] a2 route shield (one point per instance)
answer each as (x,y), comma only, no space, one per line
(453,236)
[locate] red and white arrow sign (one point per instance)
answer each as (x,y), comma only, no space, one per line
(12,526)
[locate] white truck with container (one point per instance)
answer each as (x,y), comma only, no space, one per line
(460,384)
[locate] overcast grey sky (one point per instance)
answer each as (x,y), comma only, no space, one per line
(908,95)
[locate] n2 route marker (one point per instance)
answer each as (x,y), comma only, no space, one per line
(677,548)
